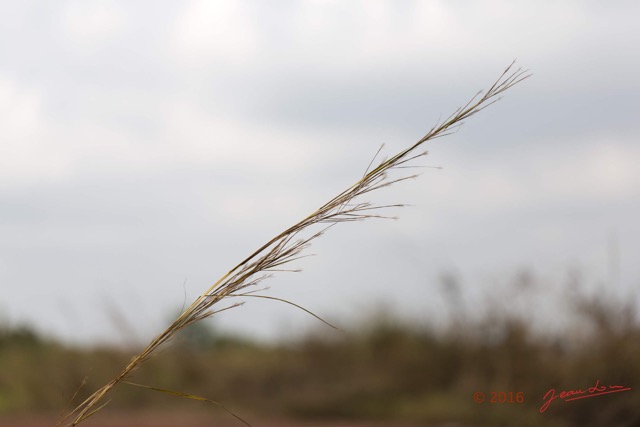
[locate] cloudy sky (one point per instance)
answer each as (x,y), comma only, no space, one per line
(146,147)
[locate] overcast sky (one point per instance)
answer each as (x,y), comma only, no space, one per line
(147,147)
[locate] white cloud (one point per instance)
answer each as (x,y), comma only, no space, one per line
(221,30)
(385,33)
(19,110)
(199,138)
(25,154)
(580,172)
(87,23)
(599,171)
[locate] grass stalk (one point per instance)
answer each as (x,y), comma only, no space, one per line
(289,246)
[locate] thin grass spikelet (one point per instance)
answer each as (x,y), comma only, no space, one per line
(290,245)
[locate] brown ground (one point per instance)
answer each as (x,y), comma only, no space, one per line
(184,419)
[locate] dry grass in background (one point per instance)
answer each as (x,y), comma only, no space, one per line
(388,371)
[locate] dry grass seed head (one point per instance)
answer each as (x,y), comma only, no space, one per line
(288,247)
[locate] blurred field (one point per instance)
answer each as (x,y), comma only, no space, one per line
(385,373)
(185,418)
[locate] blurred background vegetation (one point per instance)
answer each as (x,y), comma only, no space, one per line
(385,369)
